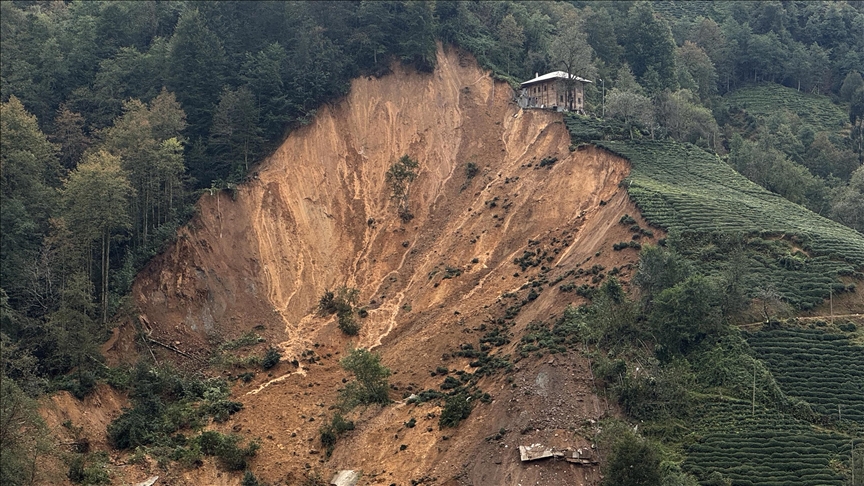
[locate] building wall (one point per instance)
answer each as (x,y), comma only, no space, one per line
(551,94)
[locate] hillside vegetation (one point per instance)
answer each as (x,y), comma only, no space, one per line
(767,100)
(711,209)
(754,246)
(186,182)
(763,447)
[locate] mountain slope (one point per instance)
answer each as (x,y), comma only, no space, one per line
(803,256)
(317,215)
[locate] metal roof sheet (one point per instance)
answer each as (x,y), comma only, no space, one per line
(553,75)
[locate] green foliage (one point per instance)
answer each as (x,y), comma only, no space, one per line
(659,269)
(762,101)
(235,135)
(585,128)
(331,432)
(649,47)
(196,67)
(96,196)
(471,170)
(772,170)
(614,316)
(165,402)
(249,339)
(89,469)
(654,393)
(684,119)
(823,369)
(632,461)
(30,171)
(684,315)
(848,204)
(271,358)
(728,368)
(342,303)
(226,448)
(765,447)
(22,434)
(699,199)
(370,384)
(399,177)
(148,139)
(249,479)
(456,409)
(633,109)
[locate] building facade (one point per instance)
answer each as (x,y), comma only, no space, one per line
(557,90)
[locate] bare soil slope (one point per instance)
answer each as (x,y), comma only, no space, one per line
(318,215)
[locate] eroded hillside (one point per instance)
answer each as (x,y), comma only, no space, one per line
(318,215)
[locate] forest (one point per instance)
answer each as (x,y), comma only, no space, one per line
(117,116)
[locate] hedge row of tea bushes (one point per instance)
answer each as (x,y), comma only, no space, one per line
(824,369)
(766,100)
(763,448)
(702,201)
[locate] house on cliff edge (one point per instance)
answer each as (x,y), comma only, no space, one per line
(557,90)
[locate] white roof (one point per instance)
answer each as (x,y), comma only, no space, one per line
(553,75)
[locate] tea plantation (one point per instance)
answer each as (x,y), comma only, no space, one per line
(764,100)
(824,369)
(703,201)
(765,448)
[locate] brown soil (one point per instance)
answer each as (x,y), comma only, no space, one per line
(317,215)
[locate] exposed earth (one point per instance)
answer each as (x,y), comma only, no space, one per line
(318,215)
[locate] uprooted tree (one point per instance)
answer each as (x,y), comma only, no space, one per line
(399,177)
(342,303)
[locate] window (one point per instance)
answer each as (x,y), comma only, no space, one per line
(580,100)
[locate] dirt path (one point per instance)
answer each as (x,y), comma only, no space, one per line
(827,317)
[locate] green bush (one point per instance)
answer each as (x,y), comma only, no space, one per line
(348,324)
(136,426)
(342,303)
(249,479)
(165,401)
(370,384)
(271,358)
(450,383)
(633,462)
(471,170)
(227,449)
(684,315)
(399,177)
(626,220)
(221,409)
(331,432)
(89,469)
(456,409)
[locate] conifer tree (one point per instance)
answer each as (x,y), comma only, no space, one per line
(196,64)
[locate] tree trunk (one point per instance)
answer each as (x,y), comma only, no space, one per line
(106,243)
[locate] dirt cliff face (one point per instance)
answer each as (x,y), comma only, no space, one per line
(318,215)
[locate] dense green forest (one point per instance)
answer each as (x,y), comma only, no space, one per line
(115,115)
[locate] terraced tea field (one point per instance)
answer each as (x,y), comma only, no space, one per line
(685,190)
(824,369)
(765,100)
(768,448)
